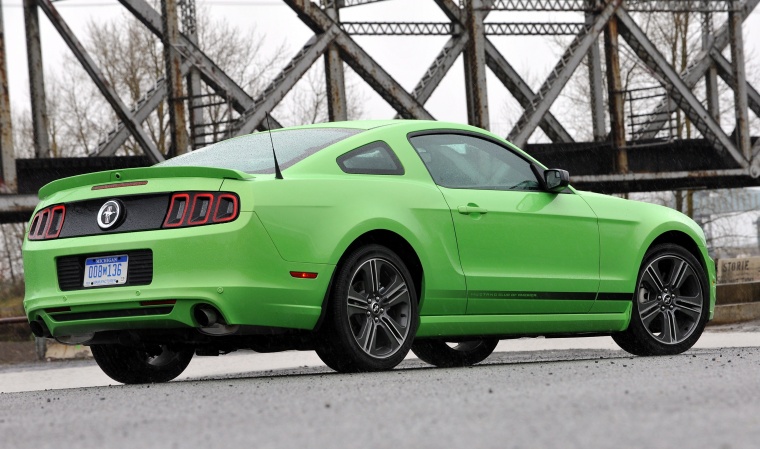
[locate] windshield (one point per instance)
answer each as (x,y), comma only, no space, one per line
(253,153)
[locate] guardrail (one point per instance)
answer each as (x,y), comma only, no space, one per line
(14,320)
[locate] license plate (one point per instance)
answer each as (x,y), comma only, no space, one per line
(106,270)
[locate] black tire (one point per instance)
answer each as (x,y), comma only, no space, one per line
(133,366)
(670,306)
(466,353)
(371,329)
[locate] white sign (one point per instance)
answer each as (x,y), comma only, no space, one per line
(738,271)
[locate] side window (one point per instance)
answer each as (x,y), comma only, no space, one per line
(467,162)
(375,158)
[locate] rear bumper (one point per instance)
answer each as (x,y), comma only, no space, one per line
(232,266)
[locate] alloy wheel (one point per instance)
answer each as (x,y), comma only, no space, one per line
(379,308)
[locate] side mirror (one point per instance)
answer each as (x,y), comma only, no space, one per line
(556,179)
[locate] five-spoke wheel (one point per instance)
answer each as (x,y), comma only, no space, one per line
(372,313)
(670,305)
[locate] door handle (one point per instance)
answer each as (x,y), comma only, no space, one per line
(469,209)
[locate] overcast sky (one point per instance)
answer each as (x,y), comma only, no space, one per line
(406,58)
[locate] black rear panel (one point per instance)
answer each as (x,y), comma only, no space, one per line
(71,269)
(143,213)
(123,313)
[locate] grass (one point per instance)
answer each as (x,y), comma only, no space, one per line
(11,305)
(11,299)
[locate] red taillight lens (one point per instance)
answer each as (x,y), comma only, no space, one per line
(35,225)
(202,204)
(47,223)
(57,214)
(226,208)
(200,208)
(177,210)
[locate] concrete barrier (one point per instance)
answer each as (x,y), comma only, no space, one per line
(58,351)
(738,290)
(736,313)
(738,293)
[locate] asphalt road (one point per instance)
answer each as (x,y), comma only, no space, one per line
(580,398)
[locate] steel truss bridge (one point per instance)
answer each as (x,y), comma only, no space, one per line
(646,157)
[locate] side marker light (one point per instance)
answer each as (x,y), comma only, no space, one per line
(303,275)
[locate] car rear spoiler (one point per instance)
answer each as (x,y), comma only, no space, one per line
(136,174)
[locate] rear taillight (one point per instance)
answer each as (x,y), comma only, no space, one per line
(200,208)
(47,223)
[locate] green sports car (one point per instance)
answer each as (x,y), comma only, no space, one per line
(360,240)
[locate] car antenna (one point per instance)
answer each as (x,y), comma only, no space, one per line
(277,172)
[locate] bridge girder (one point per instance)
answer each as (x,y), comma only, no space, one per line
(468,33)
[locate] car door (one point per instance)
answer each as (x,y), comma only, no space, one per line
(523,250)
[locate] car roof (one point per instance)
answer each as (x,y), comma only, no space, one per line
(363,124)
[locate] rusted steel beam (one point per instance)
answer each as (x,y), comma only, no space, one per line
(660,175)
(212,74)
(284,82)
(439,68)
(7,154)
(711,75)
(723,68)
(476,88)
(631,5)
(677,89)
(523,93)
(363,64)
(451,9)
(142,110)
(557,79)
(692,75)
(18,203)
(450,29)
(121,110)
(347,3)
(36,80)
(651,182)
(174,83)
(596,91)
(740,88)
(334,76)
(193,78)
(615,95)
(509,77)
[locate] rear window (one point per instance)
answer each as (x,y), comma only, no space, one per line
(253,153)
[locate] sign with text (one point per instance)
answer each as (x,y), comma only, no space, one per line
(737,271)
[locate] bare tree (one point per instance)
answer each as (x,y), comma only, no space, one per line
(307,102)
(131,59)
